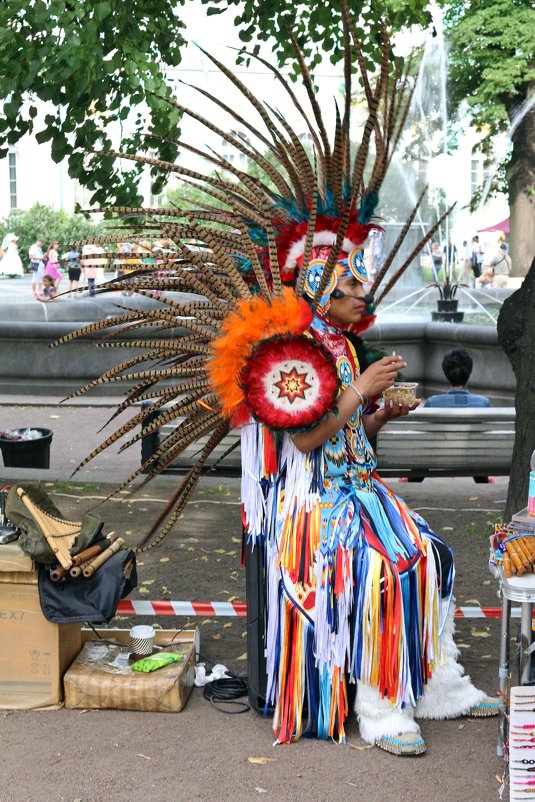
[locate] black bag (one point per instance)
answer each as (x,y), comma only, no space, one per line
(33,266)
(93,600)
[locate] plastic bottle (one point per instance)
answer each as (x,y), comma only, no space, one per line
(531,489)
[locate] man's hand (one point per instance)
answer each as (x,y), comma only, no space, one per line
(380,375)
(393,409)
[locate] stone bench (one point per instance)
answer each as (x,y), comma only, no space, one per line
(426,443)
(469,441)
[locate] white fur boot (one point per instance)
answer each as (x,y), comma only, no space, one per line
(378,717)
(449,693)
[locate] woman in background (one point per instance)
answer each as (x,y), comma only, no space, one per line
(52,268)
(11,264)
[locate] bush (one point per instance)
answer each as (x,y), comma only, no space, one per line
(41,220)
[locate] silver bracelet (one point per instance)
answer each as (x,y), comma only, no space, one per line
(361,397)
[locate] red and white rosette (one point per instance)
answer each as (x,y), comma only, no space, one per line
(289,382)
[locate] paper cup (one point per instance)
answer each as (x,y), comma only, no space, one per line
(142,640)
(401,391)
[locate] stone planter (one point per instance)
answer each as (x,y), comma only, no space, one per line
(447,311)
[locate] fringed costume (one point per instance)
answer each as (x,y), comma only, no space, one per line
(352,583)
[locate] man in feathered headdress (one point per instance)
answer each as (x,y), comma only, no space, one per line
(357,587)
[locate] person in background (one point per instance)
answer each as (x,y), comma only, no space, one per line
(11,264)
(467,276)
(457,366)
(436,257)
(101,263)
(89,264)
(376,256)
(497,273)
(449,253)
(478,252)
(127,264)
(37,265)
(53,266)
(49,292)
(72,258)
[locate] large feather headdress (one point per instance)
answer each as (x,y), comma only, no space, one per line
(240,252)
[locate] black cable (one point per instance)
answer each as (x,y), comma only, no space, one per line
(226,691)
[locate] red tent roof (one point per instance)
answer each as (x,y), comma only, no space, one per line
(503,226)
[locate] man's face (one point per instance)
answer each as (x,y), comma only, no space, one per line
(351,306)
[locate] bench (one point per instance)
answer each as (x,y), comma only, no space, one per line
(427,443)
(469,441)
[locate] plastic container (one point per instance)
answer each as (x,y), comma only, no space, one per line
(401,391)
(27,453)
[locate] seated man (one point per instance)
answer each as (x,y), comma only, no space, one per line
(497,274)
(457,367)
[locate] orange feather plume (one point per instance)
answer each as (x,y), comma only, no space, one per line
(254,320)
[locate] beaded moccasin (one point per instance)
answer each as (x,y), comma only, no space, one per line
(405,743)
(487,707)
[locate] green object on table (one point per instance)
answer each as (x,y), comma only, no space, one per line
(155,661)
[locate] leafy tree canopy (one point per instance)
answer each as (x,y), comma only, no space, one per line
(492,60)
(492,57)
(316,24)
(91,62)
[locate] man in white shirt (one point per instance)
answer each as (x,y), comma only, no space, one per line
(37,267)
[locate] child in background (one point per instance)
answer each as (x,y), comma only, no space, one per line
(49,292)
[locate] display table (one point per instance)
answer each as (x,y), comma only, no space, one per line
(519,589)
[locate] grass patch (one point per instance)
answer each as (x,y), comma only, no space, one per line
(220,490)
(75,488)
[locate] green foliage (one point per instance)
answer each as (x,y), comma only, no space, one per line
(492,58)
(96,63)
(492,68)
(317,27)
(44,221)
(91,63)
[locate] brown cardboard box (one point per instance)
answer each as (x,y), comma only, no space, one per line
(101,676)
(12,558)
(34,653)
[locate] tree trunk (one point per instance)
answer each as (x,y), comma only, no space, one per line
(516,335)
(521,178)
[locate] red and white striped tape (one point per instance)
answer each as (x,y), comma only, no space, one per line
(210,609)
(186,608)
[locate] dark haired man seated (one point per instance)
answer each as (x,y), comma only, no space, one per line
(457,367)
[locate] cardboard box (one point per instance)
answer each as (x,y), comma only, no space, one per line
(34,653)
(101,676)
(12,558)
